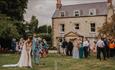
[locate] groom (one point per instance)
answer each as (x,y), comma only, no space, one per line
(34,45)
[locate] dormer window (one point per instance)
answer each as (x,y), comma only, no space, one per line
(92,12)
(62,13)
(77,13)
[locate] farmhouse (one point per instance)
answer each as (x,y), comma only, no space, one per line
(73,21)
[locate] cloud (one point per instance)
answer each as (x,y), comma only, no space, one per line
(44,9)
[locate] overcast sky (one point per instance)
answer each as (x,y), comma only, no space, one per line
(44,9)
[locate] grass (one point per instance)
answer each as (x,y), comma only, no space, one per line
(58,62)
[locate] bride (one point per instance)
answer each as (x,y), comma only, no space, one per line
(25,58)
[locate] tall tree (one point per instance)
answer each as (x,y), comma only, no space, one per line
(7,31)
(33,25)
(13,8)
(11,25)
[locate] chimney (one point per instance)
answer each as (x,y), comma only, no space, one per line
(58,5)
(110,1)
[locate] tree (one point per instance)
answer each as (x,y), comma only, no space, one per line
(44,29)
(108,28)
(33,25)
(21,27)
(7,31)
(49,29)
(11,24)
(13,8)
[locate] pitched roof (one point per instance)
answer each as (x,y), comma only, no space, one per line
(101,9)
(72,34)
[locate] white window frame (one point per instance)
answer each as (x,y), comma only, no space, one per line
(61,13)
(93,11)
(77,11)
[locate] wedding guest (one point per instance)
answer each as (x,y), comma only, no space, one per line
(101,49)
(33,45)
(94,47)
(106,42)
(17,46)
(111,47)
(64,46)
(59,44)
(114,48)
(45,48)
(70,48)
(81,51)
(85,47)
(42,48)
(89,48)
(37,52)
(13,45)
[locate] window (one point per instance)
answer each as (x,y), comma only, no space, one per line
(92,27)
(77,26)
(92,12)
(62,14)
(62,27)
(77,13)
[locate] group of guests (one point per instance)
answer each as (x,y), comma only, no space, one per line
(82,47)
(106,46)
(39,48)
(77,48)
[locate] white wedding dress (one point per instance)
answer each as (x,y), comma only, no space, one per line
(25,58)
(75,50)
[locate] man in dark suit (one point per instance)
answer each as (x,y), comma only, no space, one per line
(69,48)
(106,47)
(64,46)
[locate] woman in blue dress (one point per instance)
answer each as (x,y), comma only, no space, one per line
(81,50)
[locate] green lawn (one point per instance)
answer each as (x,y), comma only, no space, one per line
(58,62)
